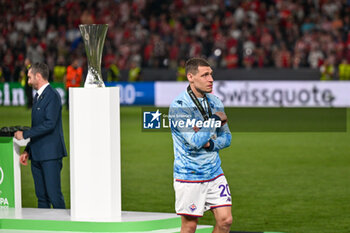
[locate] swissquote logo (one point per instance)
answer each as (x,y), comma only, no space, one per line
(151,120)
(1,175)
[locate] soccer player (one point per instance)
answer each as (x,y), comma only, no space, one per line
(199,182)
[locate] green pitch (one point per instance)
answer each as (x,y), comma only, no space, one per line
(282,182)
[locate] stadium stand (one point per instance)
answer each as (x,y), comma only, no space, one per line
(159,33)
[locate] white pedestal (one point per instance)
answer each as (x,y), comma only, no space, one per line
(94,122)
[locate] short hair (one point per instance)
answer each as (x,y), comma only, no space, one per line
(192,64)
(40,68)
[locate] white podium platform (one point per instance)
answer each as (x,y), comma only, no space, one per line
(94,123)
(30,220)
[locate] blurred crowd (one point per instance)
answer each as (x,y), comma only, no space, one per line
(165,33)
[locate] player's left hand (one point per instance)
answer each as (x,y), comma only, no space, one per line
(23,159)
(19,135)
(207,145)
(222,117)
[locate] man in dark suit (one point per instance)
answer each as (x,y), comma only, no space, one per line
(46,147)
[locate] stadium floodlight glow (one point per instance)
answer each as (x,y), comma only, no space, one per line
(94,38)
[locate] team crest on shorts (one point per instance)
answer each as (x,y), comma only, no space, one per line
(193,207)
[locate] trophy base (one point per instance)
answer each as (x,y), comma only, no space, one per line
(94,84)
(93,79)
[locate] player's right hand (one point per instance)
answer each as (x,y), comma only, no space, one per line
(222,116)
(19,135)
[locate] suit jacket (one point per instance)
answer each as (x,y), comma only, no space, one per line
(46,133)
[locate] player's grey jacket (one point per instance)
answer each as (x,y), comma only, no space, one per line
(192,161)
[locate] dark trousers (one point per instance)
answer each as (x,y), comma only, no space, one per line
(47,181)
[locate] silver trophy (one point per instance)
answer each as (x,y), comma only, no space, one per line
(94,38)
